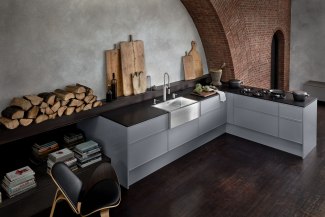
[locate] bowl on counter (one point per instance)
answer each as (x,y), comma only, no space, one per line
(299,95)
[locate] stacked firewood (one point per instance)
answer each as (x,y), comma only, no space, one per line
(44,106)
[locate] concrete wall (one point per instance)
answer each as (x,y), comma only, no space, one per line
(47,44)
(307,42)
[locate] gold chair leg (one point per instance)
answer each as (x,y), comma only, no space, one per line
(58,196)
(104,213)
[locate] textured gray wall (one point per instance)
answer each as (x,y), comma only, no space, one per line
(47,44)
(307,42)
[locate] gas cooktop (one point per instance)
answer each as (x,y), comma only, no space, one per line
(261,93)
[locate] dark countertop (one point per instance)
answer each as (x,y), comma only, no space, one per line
(143,111)
(287,100)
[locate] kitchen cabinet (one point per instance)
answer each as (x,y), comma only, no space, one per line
(129,147)
(179,135)
(255,114)
(213,114)
(291,123)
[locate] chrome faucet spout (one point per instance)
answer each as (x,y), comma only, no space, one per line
(166,88)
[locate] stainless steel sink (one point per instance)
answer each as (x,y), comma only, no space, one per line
(181,110)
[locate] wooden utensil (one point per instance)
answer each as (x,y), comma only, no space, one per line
(188,65)
(132,60)
(197,64)
(113,65)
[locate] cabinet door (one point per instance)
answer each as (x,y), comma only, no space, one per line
(211,104)
(147,149)
(230,108)
(290,123)
(258,105)
(184,133)
(257,121)
(147,128)
(211,120)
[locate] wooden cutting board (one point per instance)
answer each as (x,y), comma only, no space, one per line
(188,65)
(204,93)
(197,64)
(132,60)
(113,65)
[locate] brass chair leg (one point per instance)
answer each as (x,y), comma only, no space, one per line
(58,196)
(104,213)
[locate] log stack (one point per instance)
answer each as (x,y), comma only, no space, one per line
(49,105)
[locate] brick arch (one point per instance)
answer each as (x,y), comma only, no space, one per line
(239,32)
(282,78)
(212,34)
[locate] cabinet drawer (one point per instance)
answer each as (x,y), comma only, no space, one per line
(183,133)
(147,128)
(147,149)
(290,112)
(257,121)
(258,105)
(210,104)
(290,130)
(211,120)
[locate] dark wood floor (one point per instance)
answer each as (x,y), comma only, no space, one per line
(232,177)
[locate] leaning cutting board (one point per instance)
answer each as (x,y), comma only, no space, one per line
(132,60)
(197,64)
(188,66)
(113,65)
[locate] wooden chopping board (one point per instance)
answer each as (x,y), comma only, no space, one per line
(132,60)
(113,65)
(197,64)
(204,93)
(189,72)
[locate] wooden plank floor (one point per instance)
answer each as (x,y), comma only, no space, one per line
(232,177)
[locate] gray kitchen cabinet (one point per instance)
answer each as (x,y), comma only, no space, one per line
(180,135)
(129,147)
(255,114)
(291,123)
(230,107)
(213,114)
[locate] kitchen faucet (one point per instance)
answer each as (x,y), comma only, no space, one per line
(166,88)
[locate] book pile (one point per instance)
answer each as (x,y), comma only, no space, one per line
(87,153)
(40,151)
(63,155)
(18,181)
(72,138)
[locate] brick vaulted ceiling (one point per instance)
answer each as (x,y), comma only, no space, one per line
(240,32)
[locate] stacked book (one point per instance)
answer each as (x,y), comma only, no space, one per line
(72,138)
(18,181)
(64,155)
(40,151)
(87,153)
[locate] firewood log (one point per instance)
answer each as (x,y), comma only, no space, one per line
(49,98)
(89,91)
(75,103)
(97,104)
(80,108)
(49,111)
(42,110)
(35,100)
(61,110)
(44,105)
(69,110)
(25,121)
(93,99)
(41,118)
(13,112)
(87,99)
(53,116)
(80,96)
(88,106)
(24,104)
(33,112)
(9,123)
(64,95)
(64,102)
(56,106)
(75,89)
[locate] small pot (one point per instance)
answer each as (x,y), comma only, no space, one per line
(234,83)
(299,95)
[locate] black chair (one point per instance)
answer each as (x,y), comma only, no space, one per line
(101,192)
